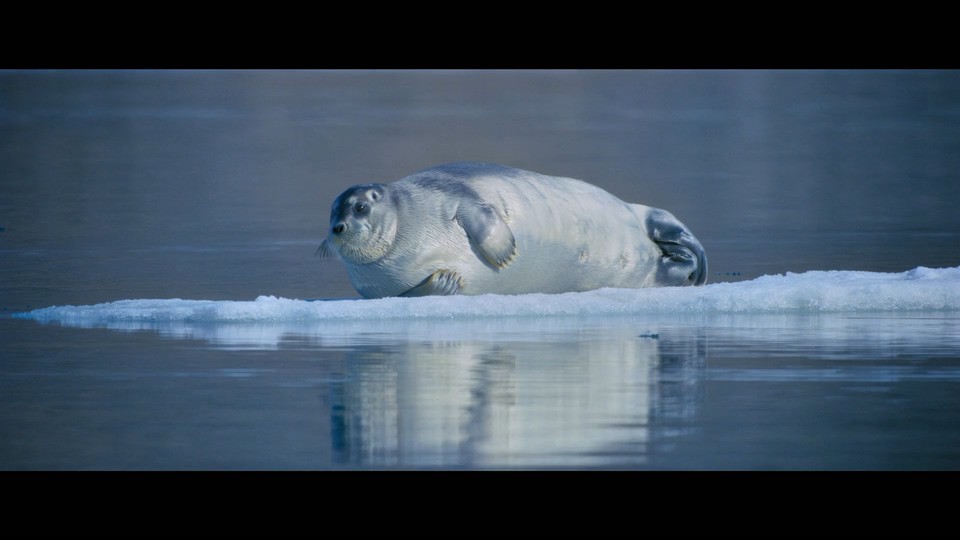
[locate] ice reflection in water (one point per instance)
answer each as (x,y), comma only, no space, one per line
(512,403)
(526,392)
(599,391)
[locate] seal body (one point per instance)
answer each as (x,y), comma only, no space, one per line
(478,228)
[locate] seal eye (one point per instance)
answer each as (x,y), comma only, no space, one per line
(361,208)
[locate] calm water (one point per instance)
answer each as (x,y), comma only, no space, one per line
(217,185)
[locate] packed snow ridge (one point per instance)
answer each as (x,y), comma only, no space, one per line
(920,289)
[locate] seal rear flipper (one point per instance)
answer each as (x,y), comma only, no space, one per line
(439,283)
(683,260)
(490,237)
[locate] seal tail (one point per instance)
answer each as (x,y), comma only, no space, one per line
(683,260)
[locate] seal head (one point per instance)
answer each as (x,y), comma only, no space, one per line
(363,225)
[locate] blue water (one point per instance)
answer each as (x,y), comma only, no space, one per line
(162,307)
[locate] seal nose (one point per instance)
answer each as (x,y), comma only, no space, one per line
(339,227)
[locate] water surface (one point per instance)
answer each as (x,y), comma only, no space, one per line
(215,187)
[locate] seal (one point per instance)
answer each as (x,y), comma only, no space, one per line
(481,228)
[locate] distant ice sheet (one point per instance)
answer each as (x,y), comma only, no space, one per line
(920,289)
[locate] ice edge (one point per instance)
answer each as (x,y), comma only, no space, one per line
(920,289)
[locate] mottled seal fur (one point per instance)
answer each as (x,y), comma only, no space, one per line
(480,228)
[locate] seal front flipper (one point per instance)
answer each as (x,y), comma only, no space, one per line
(490,237)
(683,260)
(439,283)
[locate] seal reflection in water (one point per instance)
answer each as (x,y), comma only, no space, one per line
(480,228)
